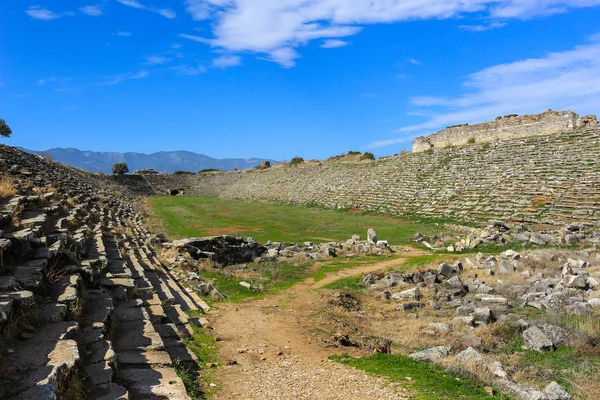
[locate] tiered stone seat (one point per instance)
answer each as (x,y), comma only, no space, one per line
(76,301)
(554,177)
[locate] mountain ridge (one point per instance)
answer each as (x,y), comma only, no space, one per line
(162,161)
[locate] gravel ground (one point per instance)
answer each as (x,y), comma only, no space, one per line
(290,378)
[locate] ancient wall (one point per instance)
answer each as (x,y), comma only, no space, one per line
(553,177)
(507,127)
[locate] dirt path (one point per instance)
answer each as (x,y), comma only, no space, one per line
(279,354)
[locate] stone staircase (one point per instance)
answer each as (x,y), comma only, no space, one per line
(541,178)
(86,308)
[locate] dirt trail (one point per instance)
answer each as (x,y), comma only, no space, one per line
(279,351)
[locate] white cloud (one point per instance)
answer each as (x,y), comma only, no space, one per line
(126,77)
(277,28)
(334,43)
(165,12)
(191,70)
(226,61)
(414,61)
(123,33)
(483,28)
(44,14)
(93,11)
(157,60)
(558,80)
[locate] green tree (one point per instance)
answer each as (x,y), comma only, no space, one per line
(4,128)
(120,168)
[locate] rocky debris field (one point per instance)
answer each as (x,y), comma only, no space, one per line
(476,307)
(504,233)
(186,257)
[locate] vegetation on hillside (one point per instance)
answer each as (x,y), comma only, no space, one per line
(4,129)
(120,168)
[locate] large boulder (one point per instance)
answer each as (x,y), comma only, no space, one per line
(536,340)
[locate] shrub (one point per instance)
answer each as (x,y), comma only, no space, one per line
(297,160)
(208,170)
(181,172)
(368,156)
(4,128)
(353,153)
(471,140)
(120,168)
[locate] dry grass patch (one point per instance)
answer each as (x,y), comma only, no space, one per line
(7,188)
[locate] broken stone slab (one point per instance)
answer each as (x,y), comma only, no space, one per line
(41,363)
(9,283)
(137,335)
(484,315)
(556,334)
(467,320)
(101,351)
(536,340)
(468,355)
(575,281)
(410,306)
(410,294)
(52,312)
(141,359)
(31,274)
(99,373)
(111,391)
(154,383)
(23,298)
(371,236)
(431,354)
(555,392)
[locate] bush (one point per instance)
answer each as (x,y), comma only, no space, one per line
(208,170)
(368,156)
(353,153)
(471,140)
(120,168)
(297,160)
(180,172)
(4,128)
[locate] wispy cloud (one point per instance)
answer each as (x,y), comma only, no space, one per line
(483,28)
(165,12)
(226,61)
(93,11)
(277,30)
(157,60)
(558,80)
(191,69)
(123,33)
(368,95)
(44,14)
(414,61)
(334,43)
(126,77)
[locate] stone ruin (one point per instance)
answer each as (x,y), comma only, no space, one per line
(549,179)
(84,301)
(507,127)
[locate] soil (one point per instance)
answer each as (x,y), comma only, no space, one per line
(279,347)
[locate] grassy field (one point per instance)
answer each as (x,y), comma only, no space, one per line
(427,381)
(181,217)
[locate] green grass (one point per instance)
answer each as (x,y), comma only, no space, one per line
(204,346)
(184,216)
(428,381)
(275,277)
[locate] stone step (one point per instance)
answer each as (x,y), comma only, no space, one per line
(154,383)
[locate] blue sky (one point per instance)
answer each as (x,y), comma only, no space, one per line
(279,78)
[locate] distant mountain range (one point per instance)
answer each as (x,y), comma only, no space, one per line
(163,161)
